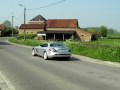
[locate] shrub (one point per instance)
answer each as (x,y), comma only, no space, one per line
(26,42)
(110,37)
(28,36)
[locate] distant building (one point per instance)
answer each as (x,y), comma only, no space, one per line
(2,28)
(34,25)
(60,29)
(37,20)
(31,28)
(56,29)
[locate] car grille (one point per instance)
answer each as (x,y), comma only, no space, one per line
(63,50)
(62,54)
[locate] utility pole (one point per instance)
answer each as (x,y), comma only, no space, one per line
(24,21)
(12,25)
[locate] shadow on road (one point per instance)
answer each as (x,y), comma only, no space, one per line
(64,59)
(74,59)
(4,43)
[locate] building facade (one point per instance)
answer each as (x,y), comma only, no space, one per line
(55,29)
(2,27)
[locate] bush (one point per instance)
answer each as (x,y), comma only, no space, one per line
(28,36)
(110,37)
(26,42)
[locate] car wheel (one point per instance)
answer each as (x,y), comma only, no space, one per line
(33,52)
(45,56)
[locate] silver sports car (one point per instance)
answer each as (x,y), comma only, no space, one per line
(51,50)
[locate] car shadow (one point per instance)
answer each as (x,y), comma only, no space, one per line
(4,43)
(64,59)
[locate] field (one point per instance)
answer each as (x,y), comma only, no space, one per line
(107,50)
(103,49)
(109,42)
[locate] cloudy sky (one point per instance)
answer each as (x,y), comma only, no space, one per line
(90,13)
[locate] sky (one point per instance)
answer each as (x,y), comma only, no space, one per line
(90,13)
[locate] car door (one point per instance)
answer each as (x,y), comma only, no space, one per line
(43,48)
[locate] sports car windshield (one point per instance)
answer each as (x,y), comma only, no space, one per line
(56,45)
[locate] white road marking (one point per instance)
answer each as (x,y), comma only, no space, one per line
(5,84)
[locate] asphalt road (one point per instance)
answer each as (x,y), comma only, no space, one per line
(33,73)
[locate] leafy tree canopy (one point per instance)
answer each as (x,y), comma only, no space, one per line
(7,23)
(103,31)
(113,31)
(92,31)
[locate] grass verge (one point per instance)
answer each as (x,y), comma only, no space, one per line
(28,42)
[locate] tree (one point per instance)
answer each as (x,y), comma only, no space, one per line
(7,23)
(92,31)
(112,31)
(103,31)
(8,29)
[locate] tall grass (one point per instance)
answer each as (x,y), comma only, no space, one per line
(103,52)
(28,36)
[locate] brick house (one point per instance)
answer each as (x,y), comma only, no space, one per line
(2,27)
(83,35)
(31,28)
(55,29)
(34,25)
(37,20)
(62,29)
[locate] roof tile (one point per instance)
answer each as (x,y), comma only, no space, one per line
(62,23)
(32,26)
(38,18)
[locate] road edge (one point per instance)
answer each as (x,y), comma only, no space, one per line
(88,59)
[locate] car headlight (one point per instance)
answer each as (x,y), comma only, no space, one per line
(53,50)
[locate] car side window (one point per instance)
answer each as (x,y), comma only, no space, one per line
(44,45)
(56,45)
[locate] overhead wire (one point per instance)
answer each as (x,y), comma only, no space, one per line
(48,5)
(18,18)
